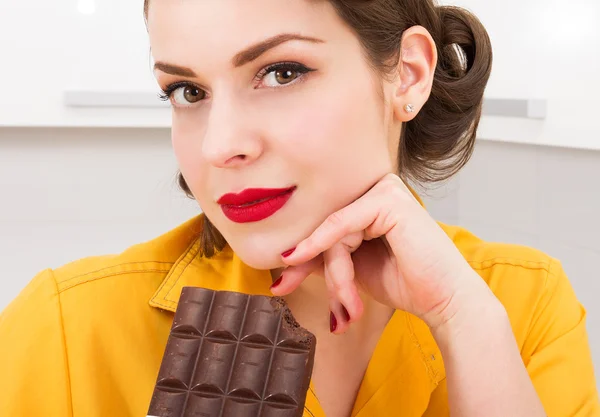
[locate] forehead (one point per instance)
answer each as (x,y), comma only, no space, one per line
(180,30)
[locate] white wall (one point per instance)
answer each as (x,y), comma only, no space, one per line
(48,47)
(547,49)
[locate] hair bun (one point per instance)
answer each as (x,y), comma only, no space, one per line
(466,46)
(439,141)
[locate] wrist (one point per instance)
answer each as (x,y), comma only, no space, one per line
(470,315)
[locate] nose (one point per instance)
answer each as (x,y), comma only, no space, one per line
(229,140)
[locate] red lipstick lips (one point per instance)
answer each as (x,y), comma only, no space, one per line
(254,204)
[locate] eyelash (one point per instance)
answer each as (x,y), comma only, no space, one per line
(167,92)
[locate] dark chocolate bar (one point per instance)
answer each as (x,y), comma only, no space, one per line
(233,355)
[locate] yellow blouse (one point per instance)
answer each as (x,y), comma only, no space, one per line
(87,339)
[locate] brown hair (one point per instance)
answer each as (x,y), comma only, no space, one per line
(439,141)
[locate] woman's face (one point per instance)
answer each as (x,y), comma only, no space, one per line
(317,128)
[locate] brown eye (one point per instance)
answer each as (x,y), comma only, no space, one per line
(283,73)
(285,76)
(193,94)
(187,95)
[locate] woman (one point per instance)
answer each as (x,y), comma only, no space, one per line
(297,126)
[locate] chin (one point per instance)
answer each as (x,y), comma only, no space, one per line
(258,250)
(262,249)
(259,258)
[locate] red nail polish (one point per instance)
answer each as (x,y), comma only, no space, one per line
(288,252)
(346,314)
(332,322)
(276,283)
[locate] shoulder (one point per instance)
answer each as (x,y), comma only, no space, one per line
(151,260)
(531,284)
(517,264)
(76,310)
(136,272)
(483,254)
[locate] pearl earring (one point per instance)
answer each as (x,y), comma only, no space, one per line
(409,108)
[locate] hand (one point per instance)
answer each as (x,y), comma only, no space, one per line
(386,245)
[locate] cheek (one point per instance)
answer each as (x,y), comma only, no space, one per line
(337,132)
(184,139)
(179,141)
(185,132)
(179,148)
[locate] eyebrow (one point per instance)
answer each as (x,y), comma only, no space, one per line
(242,58)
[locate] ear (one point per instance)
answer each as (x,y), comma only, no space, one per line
(416,68)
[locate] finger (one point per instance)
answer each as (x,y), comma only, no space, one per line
(338,314)
(375,213)
(293,276)
(335,307)
(345,302)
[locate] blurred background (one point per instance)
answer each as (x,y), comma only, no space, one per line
(86,165)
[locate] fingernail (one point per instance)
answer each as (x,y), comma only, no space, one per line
(346,314)
(276,283)
(288,252)
(332,322)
